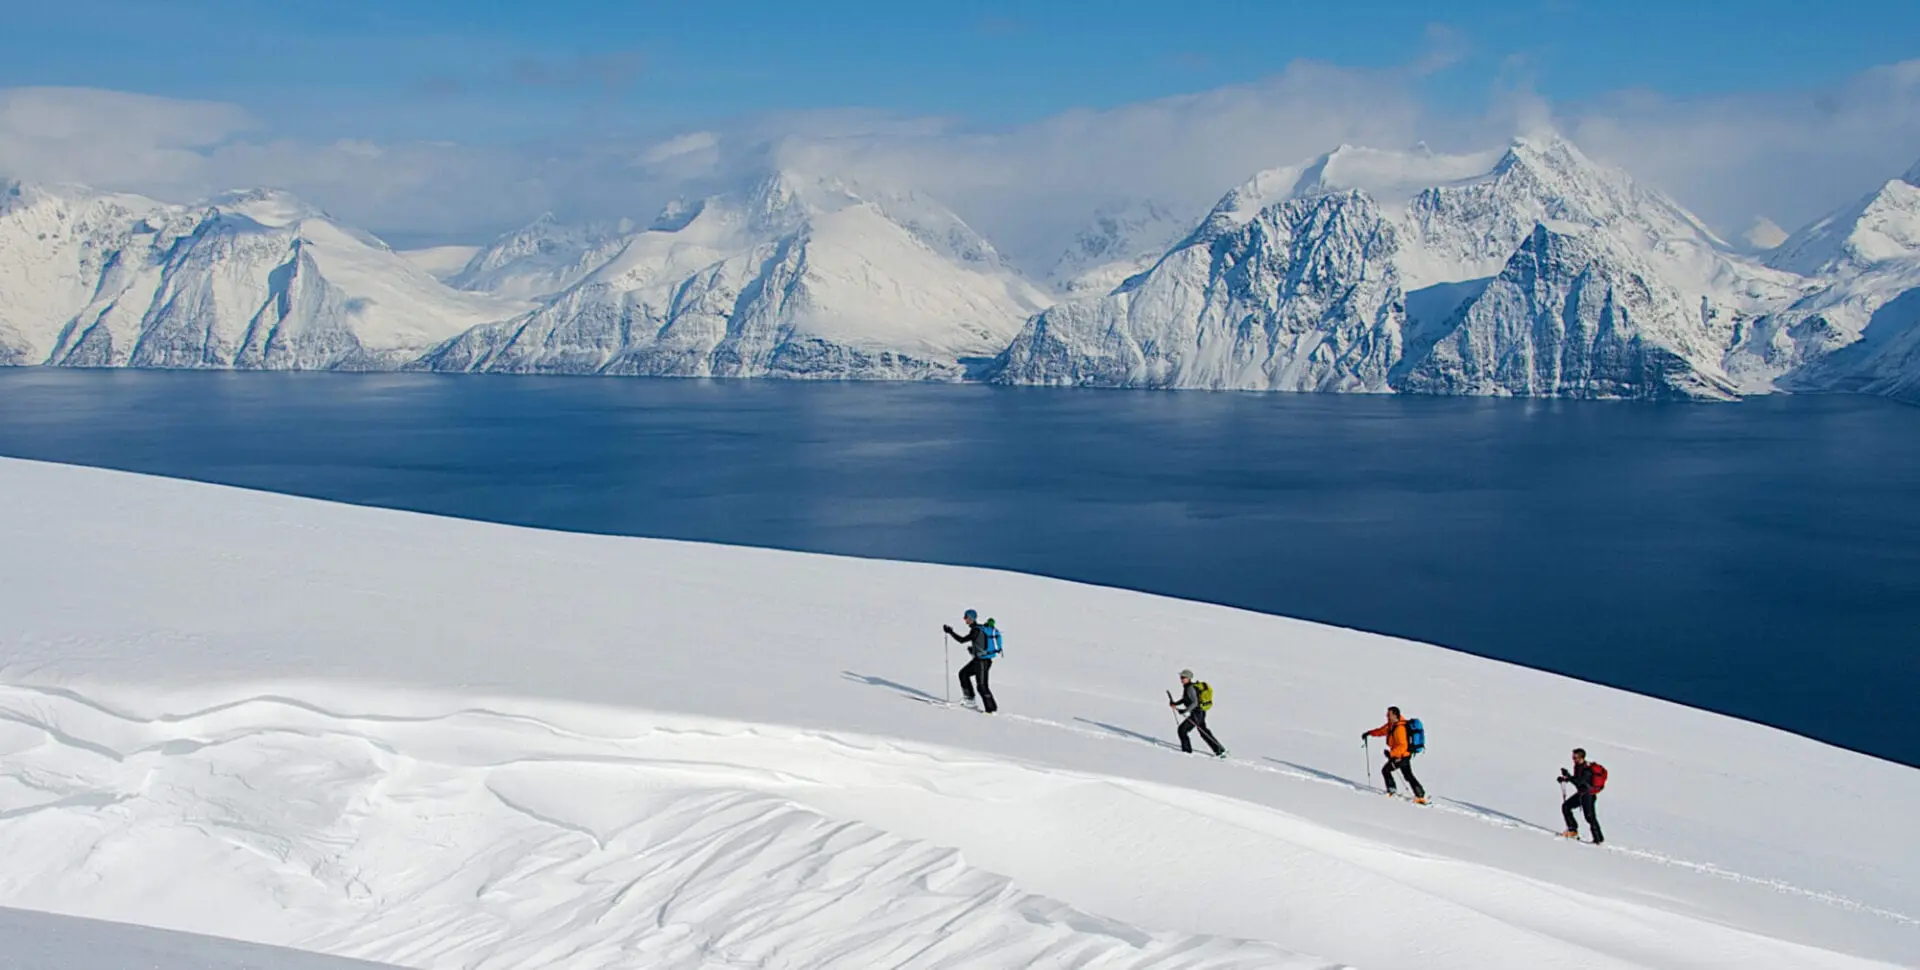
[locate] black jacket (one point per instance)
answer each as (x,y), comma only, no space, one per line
(1189,701)
(975,638)
(1582,777)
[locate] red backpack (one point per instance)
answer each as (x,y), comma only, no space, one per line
(1599,776)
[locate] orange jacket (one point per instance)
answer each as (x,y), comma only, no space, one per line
(1396,734)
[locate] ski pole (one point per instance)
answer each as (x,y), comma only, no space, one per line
(1366,760)
(946,664)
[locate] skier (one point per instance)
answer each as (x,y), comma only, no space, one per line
(1588,779)
(1196,698)
(1399,753)
(983,644)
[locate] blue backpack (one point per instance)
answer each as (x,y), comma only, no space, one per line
(993,641)
(1416,736)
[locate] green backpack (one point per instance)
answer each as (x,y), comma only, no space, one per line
(1206,695)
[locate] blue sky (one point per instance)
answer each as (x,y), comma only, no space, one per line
(436,68)
(433,120)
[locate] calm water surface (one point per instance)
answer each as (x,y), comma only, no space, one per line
(1761,559)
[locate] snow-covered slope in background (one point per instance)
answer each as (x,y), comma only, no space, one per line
(541,258)
(1118,242)
(434,742)
(441,262)
(253,279)
(799,277)
(1261,298)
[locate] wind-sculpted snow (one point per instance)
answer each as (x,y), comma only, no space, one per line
(431,742)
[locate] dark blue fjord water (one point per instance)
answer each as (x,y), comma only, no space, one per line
(1760,559)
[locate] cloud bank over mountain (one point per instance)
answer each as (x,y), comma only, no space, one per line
(1787,156)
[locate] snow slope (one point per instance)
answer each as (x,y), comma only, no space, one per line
(437,743)
(254,279)
(799,277)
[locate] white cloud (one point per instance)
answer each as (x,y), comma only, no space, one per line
(109,137)
(1789,156)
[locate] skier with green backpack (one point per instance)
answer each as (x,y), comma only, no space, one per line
(1196,699)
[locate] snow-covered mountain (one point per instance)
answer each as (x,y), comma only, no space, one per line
(252,280)
(1882,225)
(797,277)
(1303,295)
(1459,255)
(1854,327)
(1120,240)
(541,258)
(1530,270)
(1572,315)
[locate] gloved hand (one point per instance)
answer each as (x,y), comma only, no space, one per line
(947,628)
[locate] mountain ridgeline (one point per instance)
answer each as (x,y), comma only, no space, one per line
(1525,271)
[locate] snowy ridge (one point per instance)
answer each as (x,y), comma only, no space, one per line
(253,279)
(1259,298)
(1854,327)
(1880,226)
(800,277)
(426,742)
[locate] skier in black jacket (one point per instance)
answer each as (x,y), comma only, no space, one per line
(979,647)
(1585,790)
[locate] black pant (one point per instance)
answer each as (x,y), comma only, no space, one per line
(1406,768)
(978,667)
(1582,800)
(1197,721)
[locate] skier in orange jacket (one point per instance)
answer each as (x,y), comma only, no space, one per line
(1399,754)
